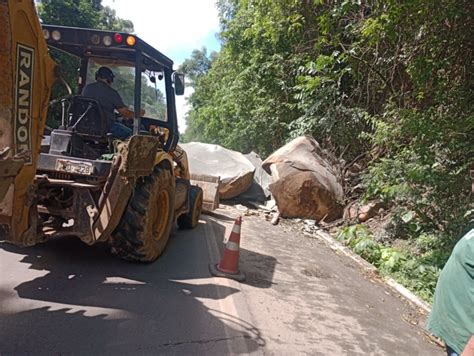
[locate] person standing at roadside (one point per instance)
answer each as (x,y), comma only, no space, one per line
(452,317)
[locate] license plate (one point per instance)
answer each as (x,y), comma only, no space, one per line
(74,167)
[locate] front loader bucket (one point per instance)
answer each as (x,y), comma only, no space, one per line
(210,186)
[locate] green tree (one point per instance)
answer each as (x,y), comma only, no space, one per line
(78,13)
(197,65)
(110,21)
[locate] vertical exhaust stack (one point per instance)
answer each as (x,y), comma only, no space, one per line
(26,77)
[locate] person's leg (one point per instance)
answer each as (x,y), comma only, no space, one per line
(450,351)
(120,131)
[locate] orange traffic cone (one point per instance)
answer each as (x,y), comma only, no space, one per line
(229,264)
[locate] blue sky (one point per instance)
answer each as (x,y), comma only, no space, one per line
(175,28)
(179,54)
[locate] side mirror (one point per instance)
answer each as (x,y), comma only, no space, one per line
(178,83)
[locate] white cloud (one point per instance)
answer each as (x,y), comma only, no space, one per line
(169,25)
(177,26)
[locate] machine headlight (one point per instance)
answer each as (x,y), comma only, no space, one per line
(95,39)
(46,34)
(107,40)
(56,35)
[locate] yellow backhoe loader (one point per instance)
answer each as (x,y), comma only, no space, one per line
(77,180)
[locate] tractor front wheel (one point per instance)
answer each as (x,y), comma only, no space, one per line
(146,225)
(191,219)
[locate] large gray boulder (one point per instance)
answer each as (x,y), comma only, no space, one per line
(235,171)
(306,183)
(258,191)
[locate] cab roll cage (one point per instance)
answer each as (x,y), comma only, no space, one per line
(124,47)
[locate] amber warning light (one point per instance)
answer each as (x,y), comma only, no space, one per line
(131,40)
(118,38)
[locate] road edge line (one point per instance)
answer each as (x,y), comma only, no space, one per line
(390,282)
(241,309)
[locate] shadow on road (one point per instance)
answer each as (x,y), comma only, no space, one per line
(94,302)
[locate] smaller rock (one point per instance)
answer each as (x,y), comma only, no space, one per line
(351,211)
(310,222)
(369,210)
(355,168)
(271,205)
(275,218)
(241,207)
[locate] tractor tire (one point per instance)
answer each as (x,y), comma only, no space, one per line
(146,224)
(191,219)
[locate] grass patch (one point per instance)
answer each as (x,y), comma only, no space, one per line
(416,265)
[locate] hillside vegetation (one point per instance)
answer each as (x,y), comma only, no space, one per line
(386,84)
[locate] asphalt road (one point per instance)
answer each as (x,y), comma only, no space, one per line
(300,297)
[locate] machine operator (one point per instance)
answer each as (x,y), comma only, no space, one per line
(109,100)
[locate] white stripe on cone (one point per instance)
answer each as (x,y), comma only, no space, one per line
(236,229)
(232,246)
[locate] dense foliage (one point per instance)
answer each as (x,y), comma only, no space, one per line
(387,81)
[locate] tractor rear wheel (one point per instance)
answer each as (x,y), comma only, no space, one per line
(145,227)
(191,219)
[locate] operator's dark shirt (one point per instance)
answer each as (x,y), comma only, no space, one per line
(107,97)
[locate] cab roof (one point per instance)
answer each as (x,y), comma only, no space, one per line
(118,46)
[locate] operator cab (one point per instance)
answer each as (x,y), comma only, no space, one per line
(144,78)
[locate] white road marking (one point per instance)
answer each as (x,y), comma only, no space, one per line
(231,316)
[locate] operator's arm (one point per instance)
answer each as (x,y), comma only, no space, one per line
(122,109)
(120,106)
(129,114)
(125,112)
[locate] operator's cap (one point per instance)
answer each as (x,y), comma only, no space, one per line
(106,73)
